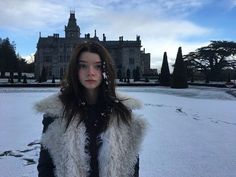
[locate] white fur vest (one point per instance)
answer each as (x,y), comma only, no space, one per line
(117,154)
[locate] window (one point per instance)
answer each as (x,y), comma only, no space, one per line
(48,59)
(131,61)
(61,72)
(131,51)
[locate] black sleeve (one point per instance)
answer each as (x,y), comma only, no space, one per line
(45,165)
(47,120)
(136,168)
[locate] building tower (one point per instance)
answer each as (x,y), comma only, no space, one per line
(72,30)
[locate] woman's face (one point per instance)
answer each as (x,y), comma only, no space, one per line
(90,70)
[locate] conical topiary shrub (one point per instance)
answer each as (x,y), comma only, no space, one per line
(165,72)
(179,77)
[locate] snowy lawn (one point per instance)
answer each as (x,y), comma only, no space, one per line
(191,132)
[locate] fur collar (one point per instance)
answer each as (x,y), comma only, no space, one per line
(53,105)
(117,154)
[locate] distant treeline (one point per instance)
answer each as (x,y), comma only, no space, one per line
(215,62)
(12,62)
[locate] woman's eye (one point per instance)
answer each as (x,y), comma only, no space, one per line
(82,66)
(99,66)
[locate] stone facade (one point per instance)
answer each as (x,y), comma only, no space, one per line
(53,52)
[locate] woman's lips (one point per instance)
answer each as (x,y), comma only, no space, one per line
(90,81)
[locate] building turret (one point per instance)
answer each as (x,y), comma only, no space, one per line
(72,30)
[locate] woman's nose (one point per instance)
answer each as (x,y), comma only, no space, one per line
(91,70)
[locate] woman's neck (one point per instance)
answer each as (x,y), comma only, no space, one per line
(91,96)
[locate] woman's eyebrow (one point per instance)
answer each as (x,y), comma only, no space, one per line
(82,61)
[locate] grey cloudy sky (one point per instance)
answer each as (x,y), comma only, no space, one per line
(163,25)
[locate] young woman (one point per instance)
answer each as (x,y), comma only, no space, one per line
(89,129)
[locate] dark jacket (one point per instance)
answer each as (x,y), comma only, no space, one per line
(63,154)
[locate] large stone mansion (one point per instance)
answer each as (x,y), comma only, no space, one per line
(53,52)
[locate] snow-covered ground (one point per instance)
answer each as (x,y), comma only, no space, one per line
(192,132)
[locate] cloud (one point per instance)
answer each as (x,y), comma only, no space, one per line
(51,15)
(29,58)
(162,24)
(31,15)
(155,7)
(232,4)
(157,50)
(157,35)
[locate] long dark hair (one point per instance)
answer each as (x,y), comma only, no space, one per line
(72,91)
